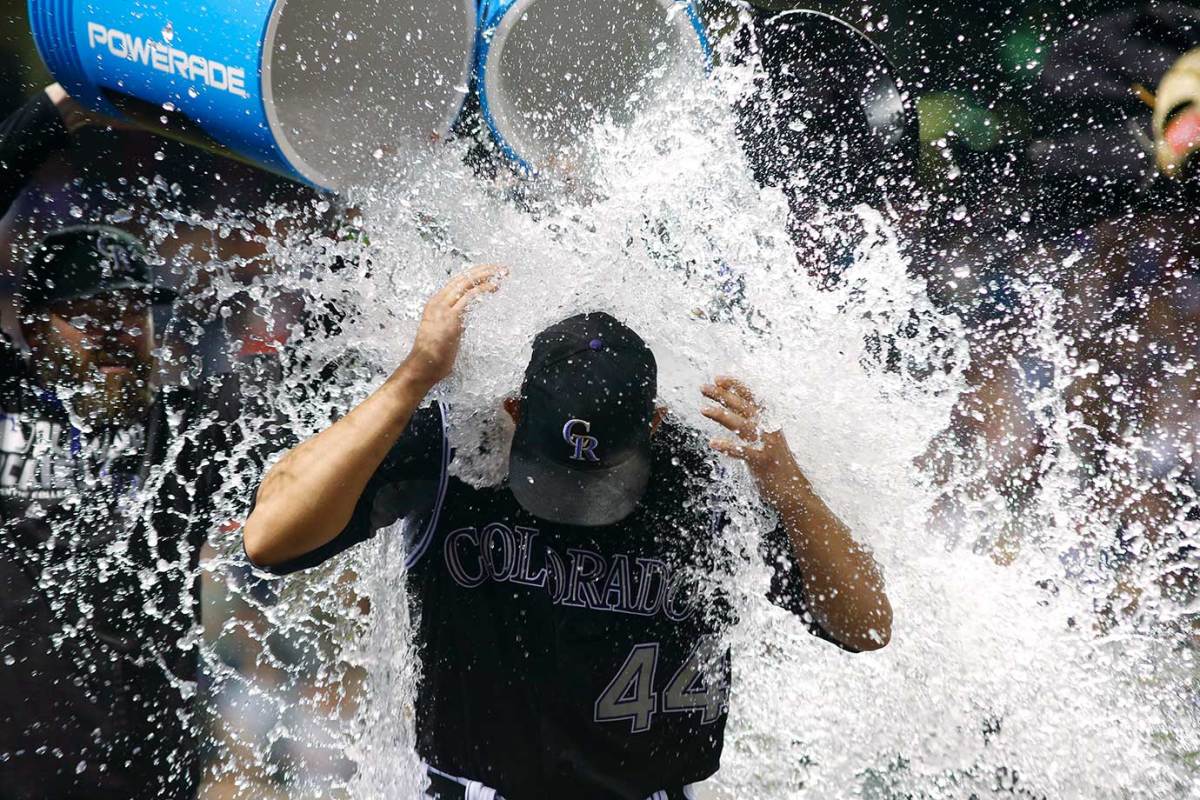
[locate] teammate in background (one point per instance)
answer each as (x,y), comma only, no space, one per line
(1118,107)
(100,514)
(567,618)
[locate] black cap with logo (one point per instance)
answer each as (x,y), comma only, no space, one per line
(88,260)
(581,453)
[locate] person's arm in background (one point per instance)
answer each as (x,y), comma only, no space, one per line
(32,134)
(309,496)
(842,583)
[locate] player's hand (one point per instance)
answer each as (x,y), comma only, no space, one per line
(75,116)
(765,452)
(440,333)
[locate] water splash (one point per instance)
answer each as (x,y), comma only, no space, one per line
(1002,679)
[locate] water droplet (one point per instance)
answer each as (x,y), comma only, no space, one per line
(159,155)
(76,212)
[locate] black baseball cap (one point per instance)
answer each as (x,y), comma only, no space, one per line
(87,260)
(581,452)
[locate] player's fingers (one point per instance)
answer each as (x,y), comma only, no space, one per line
(737,387)
(734,422)
(483,272)
(454,288)
(727,398)
(730,448)
(470,294)
(475,276)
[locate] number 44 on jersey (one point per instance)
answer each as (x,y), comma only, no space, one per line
(700,684)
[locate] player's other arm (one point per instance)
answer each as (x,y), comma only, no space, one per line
(842,582)
(309,496)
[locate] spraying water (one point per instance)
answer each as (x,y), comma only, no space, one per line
(1002,678)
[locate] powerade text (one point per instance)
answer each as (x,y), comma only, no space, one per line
(165,58)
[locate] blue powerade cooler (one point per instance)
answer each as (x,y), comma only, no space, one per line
(317,90)
(548,70)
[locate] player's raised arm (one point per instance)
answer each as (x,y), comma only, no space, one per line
(842,583)
(308,497)
(34,132)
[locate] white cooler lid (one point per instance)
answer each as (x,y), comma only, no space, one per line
(343,80)
(555,67)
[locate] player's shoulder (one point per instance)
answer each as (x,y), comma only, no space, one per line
(429,421)
(684,471)
(423,447)
(682,449)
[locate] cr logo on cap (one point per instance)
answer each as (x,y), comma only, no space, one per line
(585,446)
(116,252)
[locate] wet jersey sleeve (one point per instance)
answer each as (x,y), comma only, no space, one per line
(27,138)
(787,584)
(406,489)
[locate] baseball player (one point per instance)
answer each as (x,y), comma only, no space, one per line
(568,619)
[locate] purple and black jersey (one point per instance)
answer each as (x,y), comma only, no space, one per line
(579,661)
(100,536)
